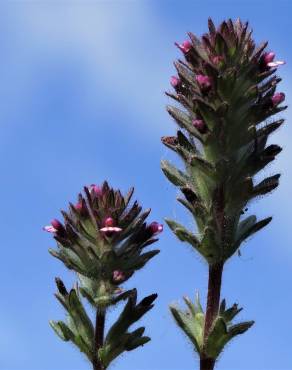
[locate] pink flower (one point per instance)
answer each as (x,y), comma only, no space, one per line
(276,64)
(174,81)
(118,276)
(269,60)
(200,125)
(95,190)
(54,227)
(109,231)
(155,227)
(109,227)
(49,229)
(278,98)
(205,82)
(79,206)
(185,46)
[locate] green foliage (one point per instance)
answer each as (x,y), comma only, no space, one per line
(224,83)
(192,321)
(79,328)
(118,338)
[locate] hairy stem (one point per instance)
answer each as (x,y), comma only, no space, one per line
(207,363)
(213,301)
(98,338)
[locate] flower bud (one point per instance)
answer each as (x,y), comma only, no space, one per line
(96,190)
(79,206)
(118,276)
(278,98)
(175,81)
(56,224)
(204,82)
(155,228)
(109,222)
(200,125)
(268,57)
(185,46)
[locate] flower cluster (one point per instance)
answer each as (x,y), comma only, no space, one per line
(215,55)
(103,239)
(105,236)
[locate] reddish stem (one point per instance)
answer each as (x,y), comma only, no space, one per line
(98,338)
(213,302)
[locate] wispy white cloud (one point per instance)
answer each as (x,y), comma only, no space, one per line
(122,49)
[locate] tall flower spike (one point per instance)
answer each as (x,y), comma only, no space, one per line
(224,121)
(103,240)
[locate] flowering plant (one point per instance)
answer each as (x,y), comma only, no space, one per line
(226,92)
(103,239)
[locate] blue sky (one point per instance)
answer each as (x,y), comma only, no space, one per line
(82,100)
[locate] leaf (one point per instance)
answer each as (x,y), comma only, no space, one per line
(220,44)
(189,326)
(182,233)
(185,143)
(136,339)
(143,259)
(174,175)
(266,186)
(118,338)
(229,314)
(254,228)
(245,225)
(247,228)
(198,47)
(185,74)
(239,328)
(212,28)
(82,322)
(62,330)
(191,322)
(202,165)
(220,335)
(137,343)
(217,338)
(184,121)
(208,113)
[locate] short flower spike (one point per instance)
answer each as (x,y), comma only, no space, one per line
(103,239)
